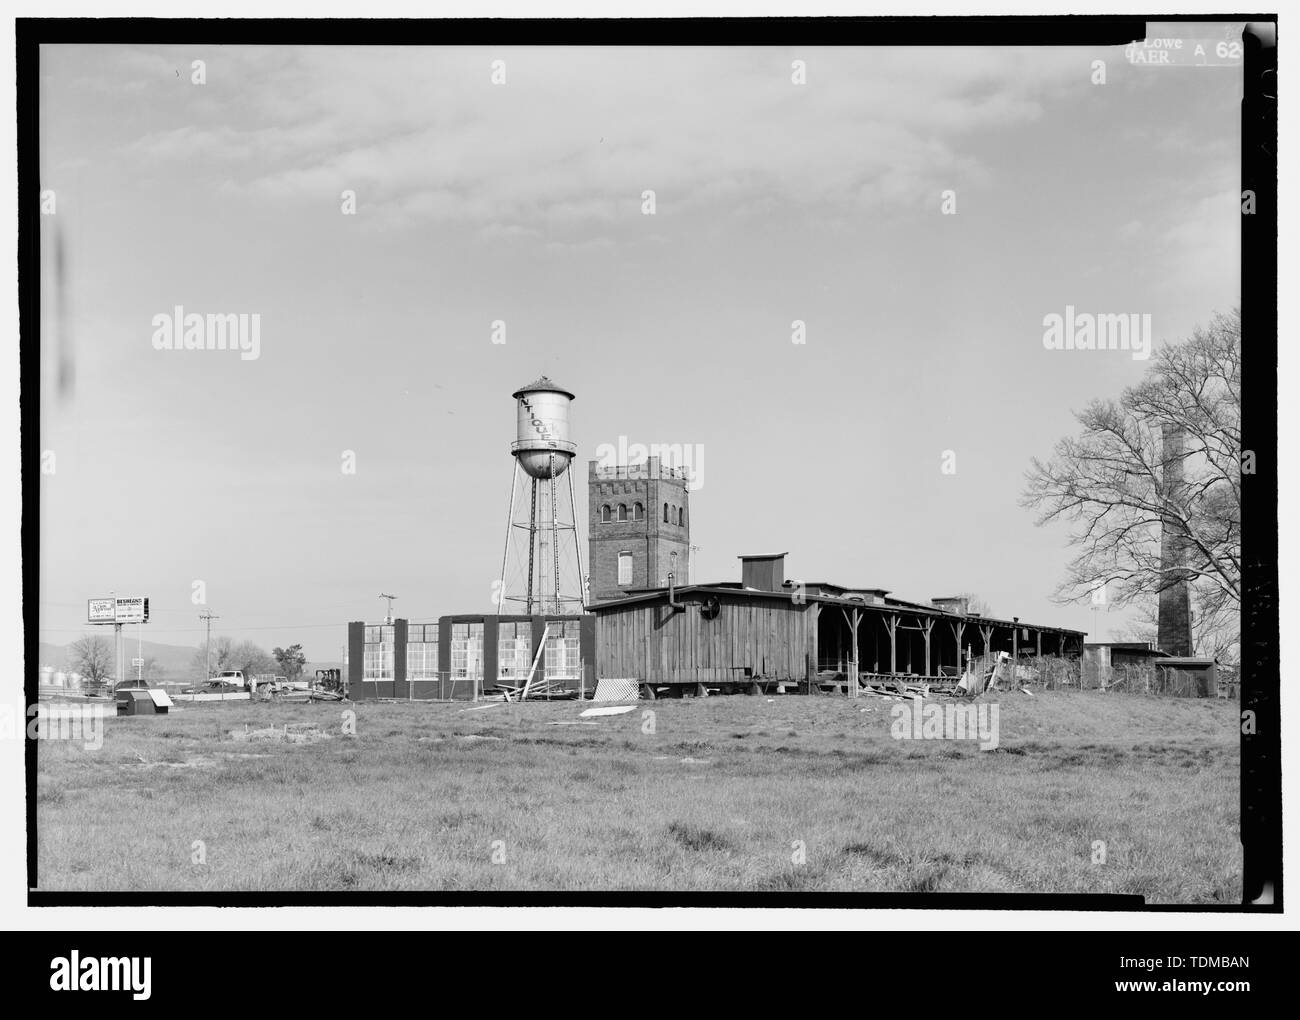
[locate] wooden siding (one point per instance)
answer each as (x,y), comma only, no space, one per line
(648,641)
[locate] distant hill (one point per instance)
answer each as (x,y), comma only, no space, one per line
(173,660)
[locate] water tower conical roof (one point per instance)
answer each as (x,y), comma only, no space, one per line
(542,385)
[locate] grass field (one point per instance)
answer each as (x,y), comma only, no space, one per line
(720,796)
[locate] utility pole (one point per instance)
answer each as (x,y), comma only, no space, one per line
(388,619)
(208,616)
(117,644)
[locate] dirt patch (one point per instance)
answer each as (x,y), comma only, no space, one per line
(695,837)
(281,734)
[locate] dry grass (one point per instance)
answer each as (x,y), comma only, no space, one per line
(425,797)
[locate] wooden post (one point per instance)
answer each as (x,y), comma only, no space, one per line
(958,628)
(892,624)
(854,668)
(815,611)
(929,624)
(857,663)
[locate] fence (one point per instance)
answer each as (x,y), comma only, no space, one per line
(1164,680)
(430,685)
(458,685)
(1049,671)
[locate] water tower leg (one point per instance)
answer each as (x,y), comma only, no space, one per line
(577,543)
(555,533)
(532,545)
(510,527)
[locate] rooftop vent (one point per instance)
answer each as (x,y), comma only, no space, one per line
(766,573)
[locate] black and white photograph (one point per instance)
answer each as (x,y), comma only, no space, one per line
(580,463)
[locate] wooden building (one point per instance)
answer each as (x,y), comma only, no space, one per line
(768,631)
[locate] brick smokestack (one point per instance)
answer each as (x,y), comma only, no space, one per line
(1174,624)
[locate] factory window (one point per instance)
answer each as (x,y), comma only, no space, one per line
(422,652)
(638,511)
(625,568)
(622,511)
(681,516)
(514,651)
(604,514)
(467,650)
(563,650)
(665,513)
(377,661)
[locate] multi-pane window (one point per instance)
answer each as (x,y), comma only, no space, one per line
(563,650)
(467,650)
(622,511)
(422,651)
(625,568)
(604,514)
(514,650)
(377,663)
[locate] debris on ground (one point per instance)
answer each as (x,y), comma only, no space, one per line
(606,710)
(617,689)
(284,734)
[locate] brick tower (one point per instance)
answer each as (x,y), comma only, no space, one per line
(639,517)
(1174,622)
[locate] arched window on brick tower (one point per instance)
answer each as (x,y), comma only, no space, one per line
(638,512)
(622,511)
(604,514)
(681,516)
(665,513)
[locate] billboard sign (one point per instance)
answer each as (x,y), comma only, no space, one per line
(132,610)
(124,610)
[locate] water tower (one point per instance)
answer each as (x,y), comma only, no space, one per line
(541,568)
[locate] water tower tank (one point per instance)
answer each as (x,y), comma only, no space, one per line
(543,428)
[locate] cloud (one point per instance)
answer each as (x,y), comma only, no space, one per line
(576,134)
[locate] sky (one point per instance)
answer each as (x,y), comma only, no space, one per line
(181,472)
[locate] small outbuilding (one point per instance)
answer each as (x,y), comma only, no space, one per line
(142,701)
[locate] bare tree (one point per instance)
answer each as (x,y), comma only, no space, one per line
(229,654)
(251,658)
(976,604)
(92,657)
(1215,635)
(202,665)
(1109,481)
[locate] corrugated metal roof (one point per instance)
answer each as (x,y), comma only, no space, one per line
(894,605)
